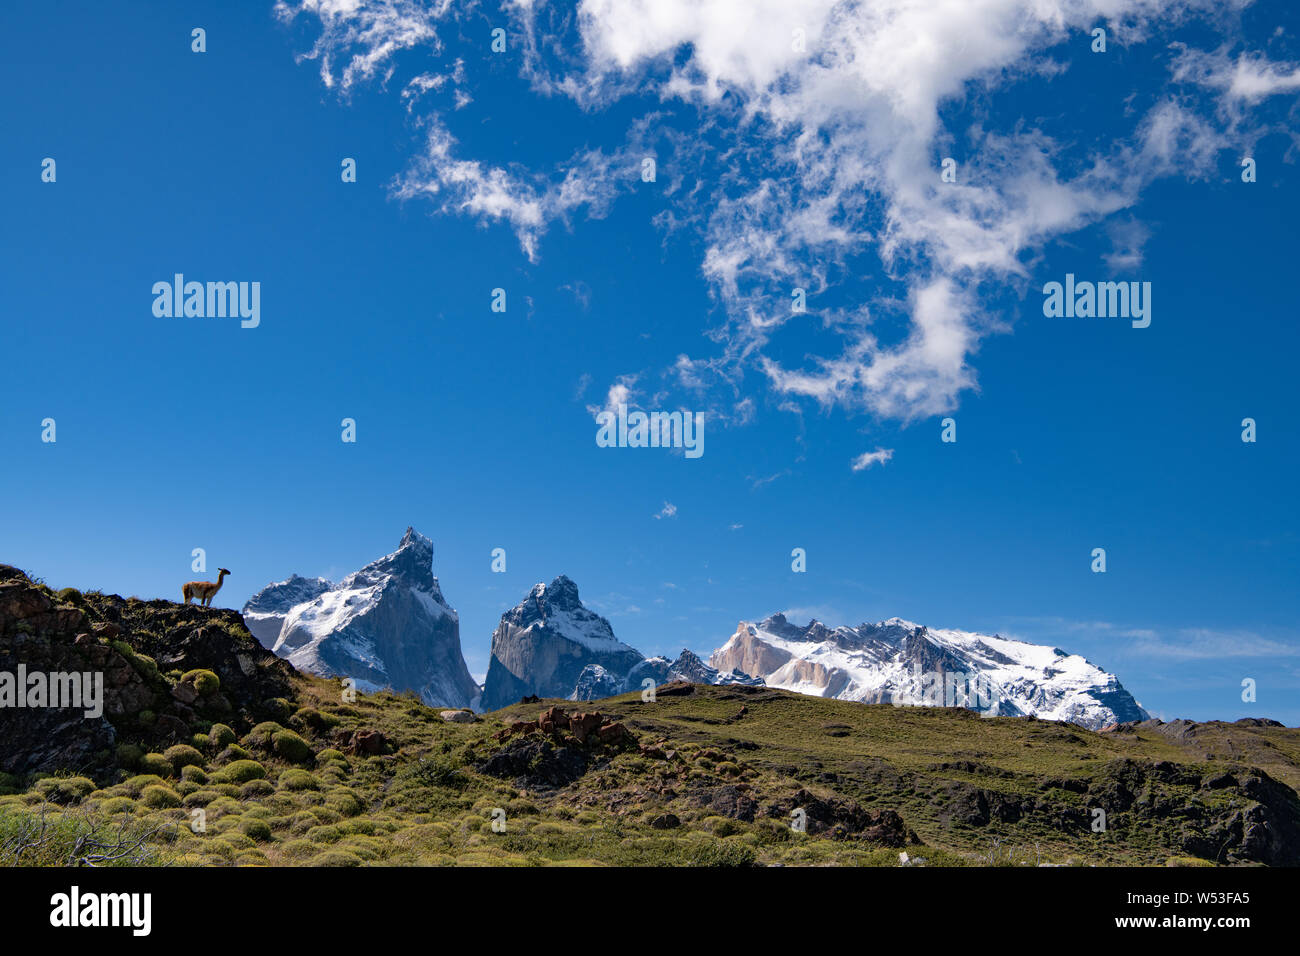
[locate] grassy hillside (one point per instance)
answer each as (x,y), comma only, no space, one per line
(711,776)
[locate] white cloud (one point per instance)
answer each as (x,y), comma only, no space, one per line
(869,458)
(669,510)
(1249,76)
(620,393)
(807,159)
(374,32)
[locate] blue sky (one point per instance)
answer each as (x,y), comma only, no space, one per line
(776,169)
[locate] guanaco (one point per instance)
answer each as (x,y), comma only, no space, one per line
(203,590)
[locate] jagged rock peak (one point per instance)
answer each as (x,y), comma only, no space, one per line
(411,565)
(386,625)
(561,593)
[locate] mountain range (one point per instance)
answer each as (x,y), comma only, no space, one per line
(196,712)
(388,626)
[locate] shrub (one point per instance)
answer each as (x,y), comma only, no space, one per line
(297,849)
(255,788)
(200,798)
(65,790)
(206,682)
(220,736)
(262,736)
(116,805)
(181,756)
(309,718)
(722,853)
(240,771)
(277,708)
(128,755)
(200,742)
(64,839)
(9,783)
(325,833)
(232,753)
(330,755)
(344,802)
(135,785)
(302,822)
(295,779)
(254,828)
(159,797)
(366,847)
(291,747)
(435,772)
(147,668)
(721,826)
(158,764)
(69,595)
(194,774)
(223,806)
(335,858)
(236,840)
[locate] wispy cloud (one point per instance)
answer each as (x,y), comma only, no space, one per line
(1198,643)
(1248,77)
(758,481)
(869,458)
(669,510)
(841,105)
(1176,643)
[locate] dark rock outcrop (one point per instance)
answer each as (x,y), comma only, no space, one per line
(126,647)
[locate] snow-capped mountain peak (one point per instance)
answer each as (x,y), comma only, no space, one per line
(266,610)
(899,661)
(386,625)
(543,644)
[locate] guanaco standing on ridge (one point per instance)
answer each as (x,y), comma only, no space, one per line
(203,590)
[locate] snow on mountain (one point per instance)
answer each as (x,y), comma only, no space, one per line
(385,626)
(266,610)
(595,681)
(897,661)
(544,643)
(687,667)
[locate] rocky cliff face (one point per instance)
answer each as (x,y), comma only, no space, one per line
(544,643)
(385,626)
(896,661)
(266,610)
(130,647)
